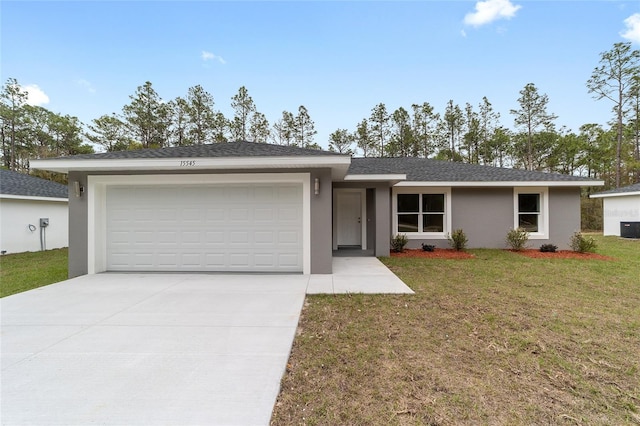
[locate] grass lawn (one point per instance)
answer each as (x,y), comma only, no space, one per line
(498,339)
(24,271)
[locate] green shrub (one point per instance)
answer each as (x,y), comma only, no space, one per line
(582,244)
(548,248)
(517,239)
(398,242)
(428,247)
(457,240)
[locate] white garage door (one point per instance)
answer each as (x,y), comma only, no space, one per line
(230,227)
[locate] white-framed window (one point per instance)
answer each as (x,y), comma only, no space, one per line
(422,212)
(531,211)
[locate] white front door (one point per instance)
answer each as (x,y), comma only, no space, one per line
(349,209)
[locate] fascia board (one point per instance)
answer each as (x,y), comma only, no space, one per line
(375,177)
(616,194)
(32,198)
(493,184)
(188,163)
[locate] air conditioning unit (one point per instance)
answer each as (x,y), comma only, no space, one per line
(630,229)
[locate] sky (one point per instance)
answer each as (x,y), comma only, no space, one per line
(337,58)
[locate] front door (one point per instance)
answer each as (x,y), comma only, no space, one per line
(349,206)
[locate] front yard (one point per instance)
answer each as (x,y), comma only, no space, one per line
(24,271)
(497,339)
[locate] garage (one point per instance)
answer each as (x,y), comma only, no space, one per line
(208,227)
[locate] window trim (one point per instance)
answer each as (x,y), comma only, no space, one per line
(543,215)
(422,190)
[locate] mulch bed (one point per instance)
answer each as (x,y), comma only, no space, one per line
(562,254)
(436,254)
(532,253)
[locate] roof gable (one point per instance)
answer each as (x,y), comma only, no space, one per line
(20,184)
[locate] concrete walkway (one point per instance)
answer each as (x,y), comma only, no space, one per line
(149,349)
(357,275)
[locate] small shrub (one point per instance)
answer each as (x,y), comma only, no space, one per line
(548,248)
(517,239)
(428,247)
(582,244)
(457,240)
(398,242)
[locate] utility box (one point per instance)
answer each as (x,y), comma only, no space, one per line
(630,229)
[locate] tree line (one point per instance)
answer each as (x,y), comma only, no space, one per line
(472,134)
(475,134)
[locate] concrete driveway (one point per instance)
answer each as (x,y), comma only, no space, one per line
(148,349)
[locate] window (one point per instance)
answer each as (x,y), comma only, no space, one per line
(421,212)
(531,211)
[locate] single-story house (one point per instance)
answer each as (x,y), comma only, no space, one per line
(33,213)
(246,206)
(621,210)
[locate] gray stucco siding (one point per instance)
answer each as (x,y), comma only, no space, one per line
(487,214)
(564,217)
(320,215)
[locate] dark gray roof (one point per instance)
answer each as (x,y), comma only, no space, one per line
(14,183)
(427,170)
(631,188)
(230,149)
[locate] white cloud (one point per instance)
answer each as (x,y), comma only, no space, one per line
(633,28)
(208,56)
(35,95)
(491,10)
(86,85)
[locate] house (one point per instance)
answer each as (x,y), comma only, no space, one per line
(246,206)
(621,210)
(24,202)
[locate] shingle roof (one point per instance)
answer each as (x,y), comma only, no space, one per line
(427,170)
(231,149)
(631,188)
(14,183)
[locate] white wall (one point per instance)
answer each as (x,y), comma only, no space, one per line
(620,209)
(15,217)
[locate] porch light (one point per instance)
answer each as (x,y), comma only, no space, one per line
(78,189)
(316,186)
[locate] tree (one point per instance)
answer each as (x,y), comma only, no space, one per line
(364,140)
(284,129)
(380,126)
(488,124)
(179,122)
(424,123)
(453,120)
(340,141)
(304,129)
(612,80)
(200,115)
(109,132)
(148,117)
(12,99)
(472,135)
(259,128)
(243,107)
(401,142)
(532,116)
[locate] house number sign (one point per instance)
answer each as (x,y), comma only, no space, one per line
(187,163)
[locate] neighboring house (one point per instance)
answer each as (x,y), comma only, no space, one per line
(620,206)
(257,207)
(24,201)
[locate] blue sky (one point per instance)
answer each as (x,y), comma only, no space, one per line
(339,59)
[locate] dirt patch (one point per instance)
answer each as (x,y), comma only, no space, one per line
(562,254)
(436,254)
